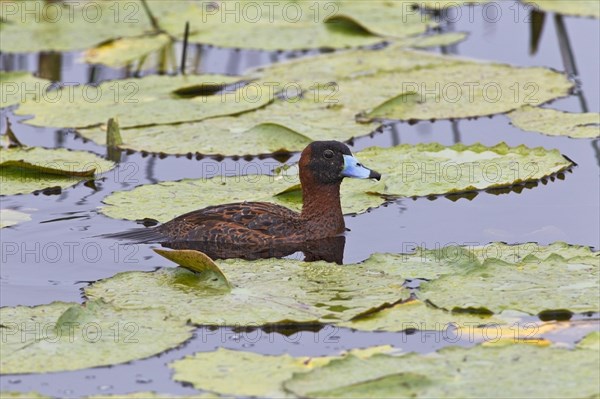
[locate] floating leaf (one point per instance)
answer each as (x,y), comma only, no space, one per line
(407,170)
(120,52)
(25,170)
(292,25)
(556,123)
(266,291)
(275,128)
(154,395)
(579,8)
(238,373)
(22,395)
(16,87)
(146,101)
(147,201)
(9,217)
(438,5)
(66,26)
(71,336)
(444,39)
(557,282)
(507,371)
(590,341)
(441,87)
(197,262)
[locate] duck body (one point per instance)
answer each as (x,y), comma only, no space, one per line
(323,165)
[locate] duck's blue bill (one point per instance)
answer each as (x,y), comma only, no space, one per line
(353,168)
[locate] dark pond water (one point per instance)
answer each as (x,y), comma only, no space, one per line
(45,270)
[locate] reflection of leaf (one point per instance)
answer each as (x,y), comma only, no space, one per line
(269,291)
(556,123)
(480,372)
(120,52)
(146,101)
(18,86)
(72,336)
(280,127)
(578,8)
(27,169)
(565,280)
(9,217)
(197,262)
(244,374)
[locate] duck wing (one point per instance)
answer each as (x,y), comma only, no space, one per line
(237,223)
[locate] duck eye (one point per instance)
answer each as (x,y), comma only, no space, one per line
(328,154)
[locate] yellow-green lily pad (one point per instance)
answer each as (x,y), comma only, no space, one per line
(71,336)
(557,123)
(10,217)
(121,52)
(16,87)
(29,169)
(284,126)
(578,8)
(268,291)
(479,372)
(146,101)
(231,372)
(559,281)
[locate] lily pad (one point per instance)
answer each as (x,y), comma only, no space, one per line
(292,25)
(579,8)
(147,201)
(269,291)
(16,87)
(557,282)
(10,217)
(22,395)
(154,395)
(147,101)
(28,169)
(120,52)
(238,373)
(275,128)
(198,262)
(72,336)
(411,85)
(556,123)
(511,371)
(37,25)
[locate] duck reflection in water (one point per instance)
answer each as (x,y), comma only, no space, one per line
(252,230)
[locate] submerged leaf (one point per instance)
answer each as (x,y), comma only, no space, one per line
(72,336)
(9,217)
(28,169)
(140,102)
(556,123)
(511,371)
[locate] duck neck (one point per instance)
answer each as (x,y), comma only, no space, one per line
(322,207)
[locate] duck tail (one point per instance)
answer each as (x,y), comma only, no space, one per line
(138,236)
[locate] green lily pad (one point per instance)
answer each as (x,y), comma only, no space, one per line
(22,395)
(275,128)
(531,285)
(198,262)
(72,336)
(28,169)
(495,371)
(590,341)
(579,8)
(146,101)
(532,252)
(10,217)
(120,52)
(556,123)
(154,395)
(411,85)
(416,315)
(443,39)
(37,25)
(407,170)
(238,373)
(292,25)
(268,291)
(437,4)
(18,86)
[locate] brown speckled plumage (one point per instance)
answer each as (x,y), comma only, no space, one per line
(262,224)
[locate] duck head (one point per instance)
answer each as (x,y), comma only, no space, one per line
(328,162)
